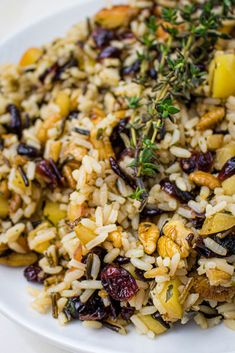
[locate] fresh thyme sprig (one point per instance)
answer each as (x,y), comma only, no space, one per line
(194,30)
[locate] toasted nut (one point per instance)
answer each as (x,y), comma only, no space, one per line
(67,172)
(214,142)
(47,125)
(167,247)
(217,223)
(115,16)
(30,57)
(204,179)
(179,234)
(211,118)
(158,271)
(15,203)
(63,101)
(116,237)
(19,260)
(78,253)
(54,150)
(217,277)
(206,291)
(148,234)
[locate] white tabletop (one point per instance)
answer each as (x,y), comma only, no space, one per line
(13,15)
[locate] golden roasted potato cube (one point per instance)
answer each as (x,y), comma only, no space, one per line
(116,16)
(63,101)
(219,222)
(148,235)
(167,247)
(223,154)
(4,207)
(53,212)
(222,69)
(214,142)
(30,57)
(229,186)
(84,234)
(167,301)
(153,324)
(18,260)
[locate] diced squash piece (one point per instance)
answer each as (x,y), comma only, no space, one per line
(153,324)
(53,212)
(222,71)
(219,222)
(30,57)
(229,186)
(223,154)
(63,101)
(43,246)
(115,16)
(214,141)
(18,260)
(19,185)
(4,207)
(84,234)
(169,299)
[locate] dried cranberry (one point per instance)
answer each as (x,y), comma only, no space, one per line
(120,172)
(28,151)
(102,36)
(198,161)
(109,52)
(93,310)
(15,126)
(171,189)
(118,282)
(228,169)
(127,312)
(34,273)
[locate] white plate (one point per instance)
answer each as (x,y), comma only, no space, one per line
(14,300)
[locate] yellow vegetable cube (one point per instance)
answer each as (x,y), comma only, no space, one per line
(43,246)
(30,57)
(53,212)
(63,101)
(222,71)
(167,301)
(229,186)
(84,234)
(4,207)
(153,324)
